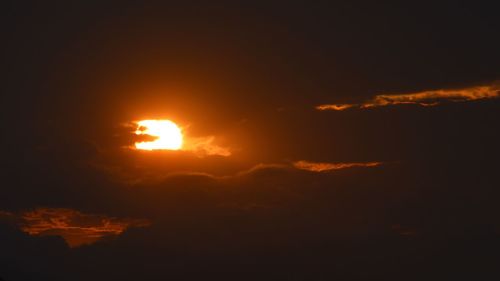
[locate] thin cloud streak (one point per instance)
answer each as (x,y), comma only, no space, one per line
(259,168)
(326,167)
(425,98)
(335,106)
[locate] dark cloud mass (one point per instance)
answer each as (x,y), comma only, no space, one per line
(268,186)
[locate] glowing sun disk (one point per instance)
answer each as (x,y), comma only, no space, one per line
(167,135)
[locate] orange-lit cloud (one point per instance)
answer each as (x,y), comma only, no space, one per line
(166,135)
(425,98)
(74,227)
(205,146)
(335,106)
(325,166)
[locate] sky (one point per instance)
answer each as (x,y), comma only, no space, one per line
(324,140)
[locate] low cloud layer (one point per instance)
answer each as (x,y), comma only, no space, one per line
(75,227)
(425,98)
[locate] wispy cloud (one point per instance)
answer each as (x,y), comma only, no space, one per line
(335,106)
(205,146)
(425,98)
(326,166)
(75,227)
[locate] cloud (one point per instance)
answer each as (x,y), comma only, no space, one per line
(325,166)
(258,171)
(205,146)
(201,146)
(335,106)
(75,227)
(425,98)
(262,168)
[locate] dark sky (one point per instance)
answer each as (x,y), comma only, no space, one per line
(397,179)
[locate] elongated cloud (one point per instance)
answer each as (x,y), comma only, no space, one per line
(74,227)
(425,98)
(325,166)
(335,106)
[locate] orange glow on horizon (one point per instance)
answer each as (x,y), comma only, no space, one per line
(167,135)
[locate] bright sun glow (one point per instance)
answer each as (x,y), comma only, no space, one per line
(168,135)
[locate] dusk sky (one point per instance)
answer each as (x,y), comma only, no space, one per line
(250,140)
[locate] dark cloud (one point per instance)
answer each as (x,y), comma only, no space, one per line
(277,218)
(246,77)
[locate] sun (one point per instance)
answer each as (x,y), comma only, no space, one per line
(167,135)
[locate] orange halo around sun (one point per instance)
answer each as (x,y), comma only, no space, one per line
(167,135)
